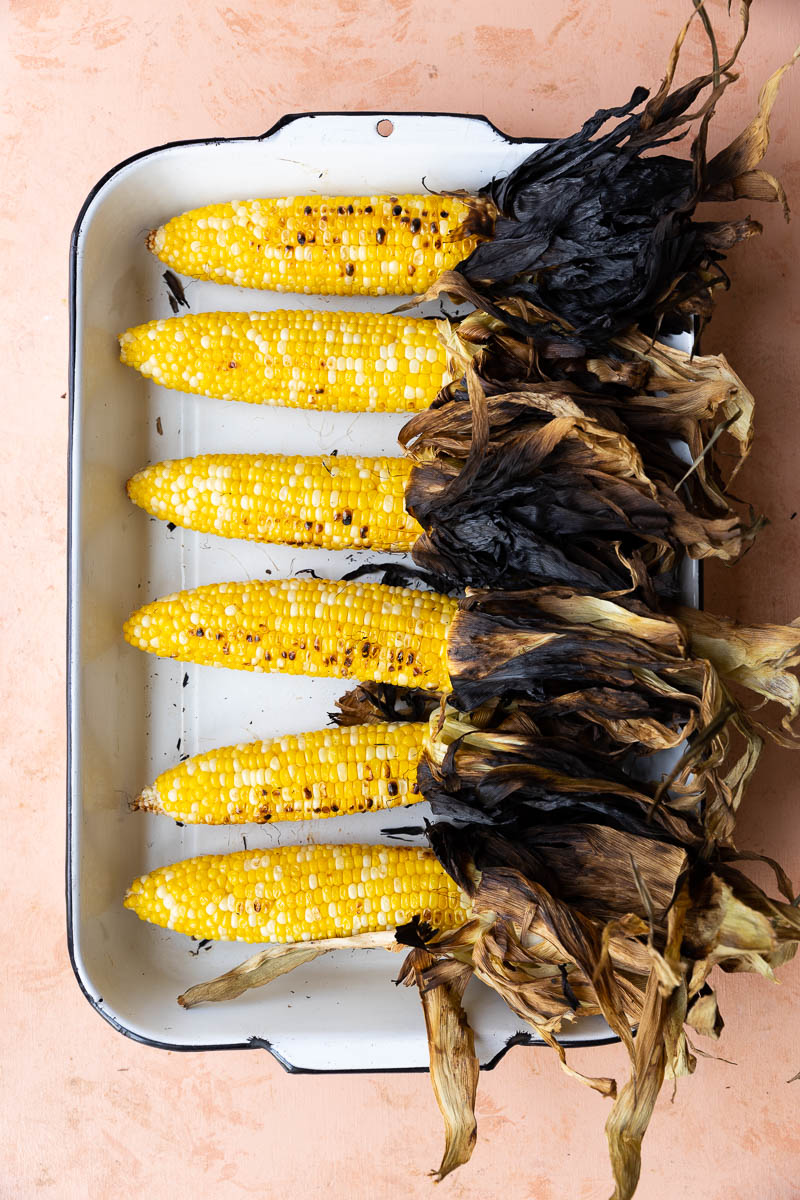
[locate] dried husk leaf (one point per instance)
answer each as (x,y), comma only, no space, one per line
(731,174)
(761,658)
(274,960)
(664,1010)
(538,983)
(703,1014)
(453,1062)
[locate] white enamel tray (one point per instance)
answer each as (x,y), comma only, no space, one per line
(131,715)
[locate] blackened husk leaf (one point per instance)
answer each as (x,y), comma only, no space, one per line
(656,394)
(505,778)
(599,232)
(592,867)
(538,492)
(617,668)
(544,483)
(542,643)
(373,703)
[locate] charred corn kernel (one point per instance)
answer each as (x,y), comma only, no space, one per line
(352,362)
(365,631)
(329,245)
(304,776)
(298,893)
(337,503)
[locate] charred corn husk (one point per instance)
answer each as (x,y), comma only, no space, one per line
(353,362)
(329,245)
(338,503)
(298,893)
(324,773)
(365,631)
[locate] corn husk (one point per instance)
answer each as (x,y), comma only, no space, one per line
(761,658)
(453,1063)
(651,974)
(275,960)
(569,921)
(598,230)
(524,483)
(580,662)
(655,393)
(373,703)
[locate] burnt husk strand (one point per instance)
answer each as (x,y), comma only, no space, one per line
(603,238)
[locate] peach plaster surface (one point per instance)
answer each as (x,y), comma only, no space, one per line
(86,1114)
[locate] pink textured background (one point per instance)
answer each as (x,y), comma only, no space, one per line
(85,1113)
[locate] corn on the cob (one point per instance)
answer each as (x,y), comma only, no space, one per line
(353,362)
(329,245)
(298,893)
(366,631)
(337,503)
(326,773)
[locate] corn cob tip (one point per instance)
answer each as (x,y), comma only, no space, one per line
(148,800)
(155,240)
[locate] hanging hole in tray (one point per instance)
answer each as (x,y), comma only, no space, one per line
(385,127)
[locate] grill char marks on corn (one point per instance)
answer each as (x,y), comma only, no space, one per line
(324,773)
(331,628)
(327,245)
(298,893)
(338,503)
(349,362)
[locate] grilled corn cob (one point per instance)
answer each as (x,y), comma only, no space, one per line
(366,631)
(355,768)
(354,362)
(298,893)
(337,503)
(329,245)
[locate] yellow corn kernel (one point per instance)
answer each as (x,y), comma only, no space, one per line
(325,773)
(339,503)
(328,245)
(365,631)
(298,893)
(350,362)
